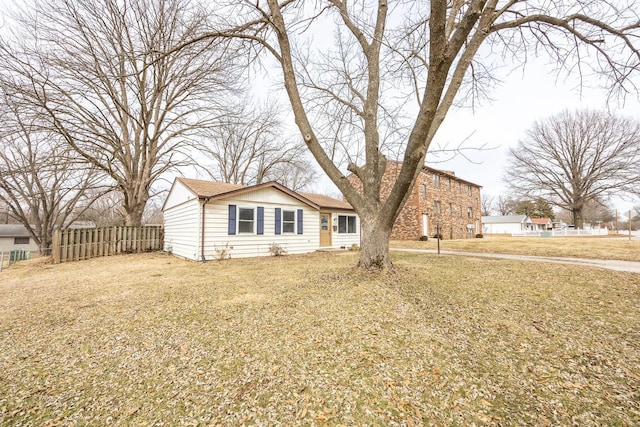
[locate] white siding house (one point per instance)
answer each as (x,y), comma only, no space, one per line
(507,224)
(204,220)
(16,237)
(542,224)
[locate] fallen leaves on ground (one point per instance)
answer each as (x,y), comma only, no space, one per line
(307,340)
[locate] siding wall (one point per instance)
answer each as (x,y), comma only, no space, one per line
(503,228)
(181,229)
(183,220)
(250,245)
(7,244)
(179,194)
(344,240)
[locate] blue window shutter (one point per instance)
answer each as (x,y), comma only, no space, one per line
(278,221)
(232,219)
(299,221)
(260,229)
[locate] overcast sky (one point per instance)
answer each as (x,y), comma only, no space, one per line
(516,104)
(522,99)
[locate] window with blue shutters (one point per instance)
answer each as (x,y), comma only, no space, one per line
(232,220)
(278,221)
(260,227)
(299,221)
(288,221)
(246,219)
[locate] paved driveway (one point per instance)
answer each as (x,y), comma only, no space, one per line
(628,266)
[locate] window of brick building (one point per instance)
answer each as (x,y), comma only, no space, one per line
(470,213)
(468,190)
(423,191)
(436,207)
(436,180)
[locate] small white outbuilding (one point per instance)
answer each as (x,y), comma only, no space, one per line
(206,220)
(507,224)
(16,237)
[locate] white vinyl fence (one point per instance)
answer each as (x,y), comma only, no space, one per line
(564,232)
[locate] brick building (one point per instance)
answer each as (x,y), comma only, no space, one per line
(438,199)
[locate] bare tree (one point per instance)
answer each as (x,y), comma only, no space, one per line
(43,182)
(505,205)
(105,209)
(153,214)
(346,91)
(598,211)
(298,175)
(635,217)
(97,69)
(247,146)
(595,212)
(4,213)
(571,159)
(487,203)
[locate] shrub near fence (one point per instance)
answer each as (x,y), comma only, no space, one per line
(85,243)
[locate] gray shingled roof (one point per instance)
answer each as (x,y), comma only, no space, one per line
(504,219)
(13,230)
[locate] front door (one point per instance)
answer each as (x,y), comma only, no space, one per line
(325,229)
(425,225)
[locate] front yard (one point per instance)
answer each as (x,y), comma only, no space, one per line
(619,248)
(302,340)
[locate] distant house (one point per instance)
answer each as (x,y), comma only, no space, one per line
(204,218)
(507,224)
(16,237)
(439,201)
(542,224)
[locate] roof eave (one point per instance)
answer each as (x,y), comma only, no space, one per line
(271,184)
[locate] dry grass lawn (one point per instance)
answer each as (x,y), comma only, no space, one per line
(619,248)
(306,340)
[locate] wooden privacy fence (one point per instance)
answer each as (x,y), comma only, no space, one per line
(84,243)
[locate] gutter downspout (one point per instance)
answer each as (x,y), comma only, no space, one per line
(206,200)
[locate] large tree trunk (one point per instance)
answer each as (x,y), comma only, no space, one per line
(133,215)
(134,209)
(450,35)
(136,196)
(45,246)
(578,218)
(374,239)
